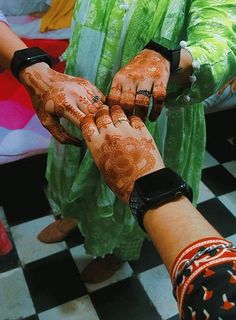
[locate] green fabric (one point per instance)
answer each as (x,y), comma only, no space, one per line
(119,31)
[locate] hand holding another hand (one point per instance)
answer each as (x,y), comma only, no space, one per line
(122,148)
(55,95)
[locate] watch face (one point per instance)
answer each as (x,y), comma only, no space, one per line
(160,183)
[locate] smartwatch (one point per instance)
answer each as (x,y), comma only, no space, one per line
(155,189)
(173,56)
(27,57)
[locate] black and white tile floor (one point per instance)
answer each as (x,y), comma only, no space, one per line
(39,281)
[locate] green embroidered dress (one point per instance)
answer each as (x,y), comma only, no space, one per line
(106,35)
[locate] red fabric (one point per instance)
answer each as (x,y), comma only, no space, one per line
(12,92)
(5,243)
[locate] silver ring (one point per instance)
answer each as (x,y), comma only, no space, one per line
(120,120)
(145,93)
(95,99)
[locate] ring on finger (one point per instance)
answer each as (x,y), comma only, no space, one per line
(119,120)
(145,93)
(95,99)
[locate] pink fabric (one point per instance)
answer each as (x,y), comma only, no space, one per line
(13,116)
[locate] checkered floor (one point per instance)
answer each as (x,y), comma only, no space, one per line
(39,281)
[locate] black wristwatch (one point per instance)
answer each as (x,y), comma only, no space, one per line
(27,57)
(155,189)
(171,55)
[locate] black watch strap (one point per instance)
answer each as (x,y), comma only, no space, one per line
(171,55)
(172,189)
(27,57)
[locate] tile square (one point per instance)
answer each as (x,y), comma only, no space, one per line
(204,193)
(209,161)
(231,167)
(22,192)
(232,238)
(217,143)
(176,317)
(82,260)
(53,280)
(11,260)
(29,248)
(3,217)
(124,300)
(81,308)
(218,180)
(220,149)
(34,317)
(74,239)
(219,216)
(157,285)
(149,258)
(229,201)
(15,300)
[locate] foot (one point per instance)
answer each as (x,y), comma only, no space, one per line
(101,269)
(58,230)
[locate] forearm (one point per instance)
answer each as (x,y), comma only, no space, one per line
(10,43)
(175,225)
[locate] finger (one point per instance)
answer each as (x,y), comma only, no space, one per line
(97,107)
(127,99)
(115,93)
(84,103)
(89,128)
(137,123)
(142,99)
(59,133)
(118,116)
(103,120)
(159,95)
(72,113)
(98,93)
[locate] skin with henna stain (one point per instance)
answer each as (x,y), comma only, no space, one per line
(55,95)
(148,71)
(123,150)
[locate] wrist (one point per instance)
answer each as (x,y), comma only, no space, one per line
(154,215)
(155,189)
(156,57)
(28,57)
(40,67)
(173,56)
(186,69)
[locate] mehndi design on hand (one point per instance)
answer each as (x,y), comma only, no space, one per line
(55,95)
(122,160)
(123,153)
(148,72)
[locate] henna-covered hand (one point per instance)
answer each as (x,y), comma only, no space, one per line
(147,73)
(55,95)
(122,148)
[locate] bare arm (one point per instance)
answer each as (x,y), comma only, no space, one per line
(10,42)
(173,226)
